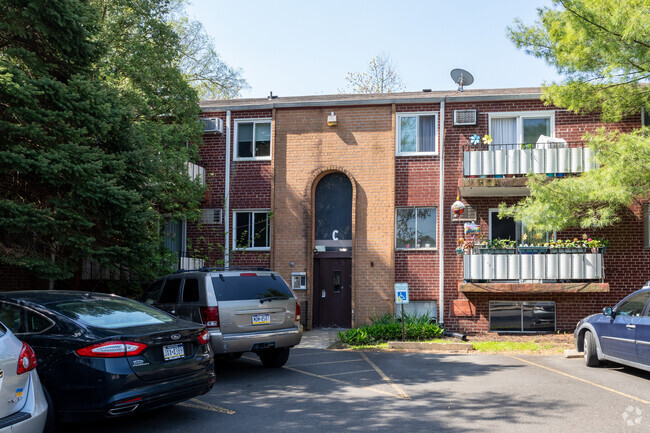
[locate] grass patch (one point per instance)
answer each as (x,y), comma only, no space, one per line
(514,346)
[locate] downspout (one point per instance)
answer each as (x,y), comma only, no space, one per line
(226,198)
(441,219)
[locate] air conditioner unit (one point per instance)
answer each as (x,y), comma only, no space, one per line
(211,216)
(465,117)
(212,125)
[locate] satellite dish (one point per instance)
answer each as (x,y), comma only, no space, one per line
(462,78)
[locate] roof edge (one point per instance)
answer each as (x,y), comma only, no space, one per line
(259,104)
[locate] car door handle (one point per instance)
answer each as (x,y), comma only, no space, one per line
(630,326)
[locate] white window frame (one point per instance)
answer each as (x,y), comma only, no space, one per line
(234,229)
(236,156)
(435,232)
(520,116)
(398,127)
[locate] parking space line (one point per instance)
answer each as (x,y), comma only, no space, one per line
(341,382)
(198,404)
(386,379)
(581,380)
(320,352)
(347,372)
(329,362)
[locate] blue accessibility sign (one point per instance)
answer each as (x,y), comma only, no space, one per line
(401,293)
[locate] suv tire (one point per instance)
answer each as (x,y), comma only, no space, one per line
(274,358)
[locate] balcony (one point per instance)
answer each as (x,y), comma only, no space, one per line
(534,272)
(497,162)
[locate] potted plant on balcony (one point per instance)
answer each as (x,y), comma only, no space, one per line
(498,246)
(535,247)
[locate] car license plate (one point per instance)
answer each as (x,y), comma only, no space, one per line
(173,351)
(261,319)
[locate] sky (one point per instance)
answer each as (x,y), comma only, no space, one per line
(307,47)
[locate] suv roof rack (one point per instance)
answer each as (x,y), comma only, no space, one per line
(180,271)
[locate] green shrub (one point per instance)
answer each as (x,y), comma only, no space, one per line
(416,329)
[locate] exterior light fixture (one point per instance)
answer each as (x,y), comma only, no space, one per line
(331,120)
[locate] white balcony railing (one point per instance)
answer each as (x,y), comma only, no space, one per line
(517,161)
(530,268)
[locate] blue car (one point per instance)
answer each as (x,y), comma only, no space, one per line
(620,334)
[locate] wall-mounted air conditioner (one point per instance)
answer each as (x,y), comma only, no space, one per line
(212,125)
(465,117)
(211,216)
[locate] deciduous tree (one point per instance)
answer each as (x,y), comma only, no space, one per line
(381,77)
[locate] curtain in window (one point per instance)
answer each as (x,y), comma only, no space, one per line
(407,134)
(504,133)
(427,134)
(245,140)
(263,139)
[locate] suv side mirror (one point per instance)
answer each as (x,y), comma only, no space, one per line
(607,311)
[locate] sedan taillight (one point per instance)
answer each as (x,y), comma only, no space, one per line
(297,312)
(26,360)
(210,316)
(112,349)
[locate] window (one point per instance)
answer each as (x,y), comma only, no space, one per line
(238,288)
(417,133)
(191,290)
(510,129)
(415,228)
(21,320)
(152,292)
(253,139)
(508,228)
(633,306)
(170,291)
(251,230)
(526,316)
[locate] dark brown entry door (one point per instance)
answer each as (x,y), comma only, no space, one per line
(332,293)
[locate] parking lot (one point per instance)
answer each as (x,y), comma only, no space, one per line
(324,391)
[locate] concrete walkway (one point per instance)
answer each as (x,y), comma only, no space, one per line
(321,338)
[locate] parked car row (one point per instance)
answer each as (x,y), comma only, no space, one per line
(101,355)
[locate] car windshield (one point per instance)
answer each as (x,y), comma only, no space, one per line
(250,287)
(111,313)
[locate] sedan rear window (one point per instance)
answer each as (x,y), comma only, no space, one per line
(250,287)
(111,313)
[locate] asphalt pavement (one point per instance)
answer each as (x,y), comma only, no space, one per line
(323,390)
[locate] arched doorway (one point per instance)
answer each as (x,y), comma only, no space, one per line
(332,297)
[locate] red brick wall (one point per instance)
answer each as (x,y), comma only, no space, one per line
(307,145)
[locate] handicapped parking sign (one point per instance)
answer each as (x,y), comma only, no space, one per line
(401,293)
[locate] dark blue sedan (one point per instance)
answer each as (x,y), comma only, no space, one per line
(620,334)
(108,356)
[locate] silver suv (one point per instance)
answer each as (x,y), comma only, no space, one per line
(244,310)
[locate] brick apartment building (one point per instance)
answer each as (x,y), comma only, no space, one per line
(346,195)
